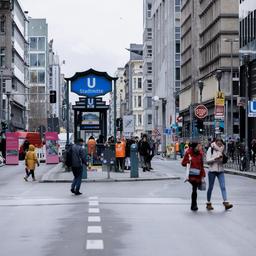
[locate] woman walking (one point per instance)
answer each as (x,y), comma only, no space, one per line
(30,162)
(194,158)
(214,158)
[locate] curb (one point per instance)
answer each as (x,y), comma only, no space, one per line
(247,175)
(112,180)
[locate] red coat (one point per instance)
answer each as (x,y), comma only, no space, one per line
(196,162)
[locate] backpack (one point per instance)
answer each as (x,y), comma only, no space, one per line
(68,160)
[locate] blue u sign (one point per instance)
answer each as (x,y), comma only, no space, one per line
(91,86)
(252,108)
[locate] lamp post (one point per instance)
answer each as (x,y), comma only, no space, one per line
(67,110)
(218,76)
(246,59)
(231,41)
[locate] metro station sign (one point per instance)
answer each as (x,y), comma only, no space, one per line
(201,111)
(91,83)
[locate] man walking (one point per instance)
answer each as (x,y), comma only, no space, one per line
(78,159)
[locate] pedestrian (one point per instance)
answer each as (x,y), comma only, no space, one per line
(144,152)
(214,158)
(152,151)
(120,154)
(78,159)
(253,150)
(91,144)
(194,159)
(30,162)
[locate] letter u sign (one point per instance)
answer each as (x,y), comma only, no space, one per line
(91,82)
(253,106)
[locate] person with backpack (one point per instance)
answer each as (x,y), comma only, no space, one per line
(214,158)
(75,159)
(193,160)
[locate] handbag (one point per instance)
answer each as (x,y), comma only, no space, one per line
(194,172)
(224,158)
(202,185)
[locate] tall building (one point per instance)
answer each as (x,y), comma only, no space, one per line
(162,61)
(247,18)
(13,65)
(209,42)
(38,74)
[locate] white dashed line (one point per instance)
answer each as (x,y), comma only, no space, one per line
(94,219)
(94,245)
(94,230)
(94,210)
(93,203)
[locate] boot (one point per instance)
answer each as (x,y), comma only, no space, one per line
(194,208)
(227,205)
(209,206)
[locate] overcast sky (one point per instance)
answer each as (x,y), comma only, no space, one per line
(90,33)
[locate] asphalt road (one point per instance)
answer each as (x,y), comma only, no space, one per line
(124,219)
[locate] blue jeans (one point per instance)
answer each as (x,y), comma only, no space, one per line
(76,183)
(221,178)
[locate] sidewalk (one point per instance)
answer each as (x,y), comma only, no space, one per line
(58,174)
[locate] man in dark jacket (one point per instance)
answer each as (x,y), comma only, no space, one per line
(144,151)
(78,159)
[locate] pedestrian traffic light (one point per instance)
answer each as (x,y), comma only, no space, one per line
(119,124)
(52,96)
(200,126)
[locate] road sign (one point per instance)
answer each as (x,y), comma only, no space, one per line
(252,108)
(220,98)
(128,123)
(219,112)
(201,111)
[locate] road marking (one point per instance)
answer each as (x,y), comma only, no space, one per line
(93,198)
(94,219)
(94,210)
(93,203)
(94,245)
(94,229)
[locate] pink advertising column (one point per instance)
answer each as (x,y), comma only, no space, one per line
(12,148)
(51,141)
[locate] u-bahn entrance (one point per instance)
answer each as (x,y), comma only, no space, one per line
(90,112)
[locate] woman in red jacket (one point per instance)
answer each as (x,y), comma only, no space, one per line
(194,158)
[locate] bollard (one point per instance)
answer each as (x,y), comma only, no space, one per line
(134,161)
(84,174)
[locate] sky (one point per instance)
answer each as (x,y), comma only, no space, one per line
(90,33)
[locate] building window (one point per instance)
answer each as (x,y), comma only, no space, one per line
(134,83)
(135,102)
(33,76)
(139,120)
(139,101)
(149,50)
(149,85)
(149,33)
(149,102)
(177,47)
(149,10)
(177,74)
(2,57)
(139,83)
(149,68)
(149,119)
(37,60)
(37,43)
(41,77)
(2,24)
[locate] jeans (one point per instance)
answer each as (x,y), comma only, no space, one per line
(76,183)
(221,178)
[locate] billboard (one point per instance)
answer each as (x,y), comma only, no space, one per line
(12,148)
(51,142)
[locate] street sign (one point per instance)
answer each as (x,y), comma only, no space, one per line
(201,111)
(220,99)
(219,112)
(252,108)
(128,123)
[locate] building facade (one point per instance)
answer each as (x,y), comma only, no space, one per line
(38,74)
(13,65)
(163,17)
(247,19)
(209,42)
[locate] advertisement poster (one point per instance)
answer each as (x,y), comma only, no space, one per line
(51,143)
(12,148)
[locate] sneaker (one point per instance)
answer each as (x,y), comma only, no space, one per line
(25,178)
(78,193)
(72,191)
(227,205)
(209,206)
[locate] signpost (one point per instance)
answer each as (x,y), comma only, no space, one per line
(128,124)
(201,111)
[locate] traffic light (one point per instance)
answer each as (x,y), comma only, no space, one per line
(200,126)
(52,96)
(119,124)
(4,126)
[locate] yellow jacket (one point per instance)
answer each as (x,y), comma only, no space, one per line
(31,158)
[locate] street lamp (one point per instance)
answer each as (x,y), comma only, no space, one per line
(201,86)
(231,41)
(246,59)
(218,75)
